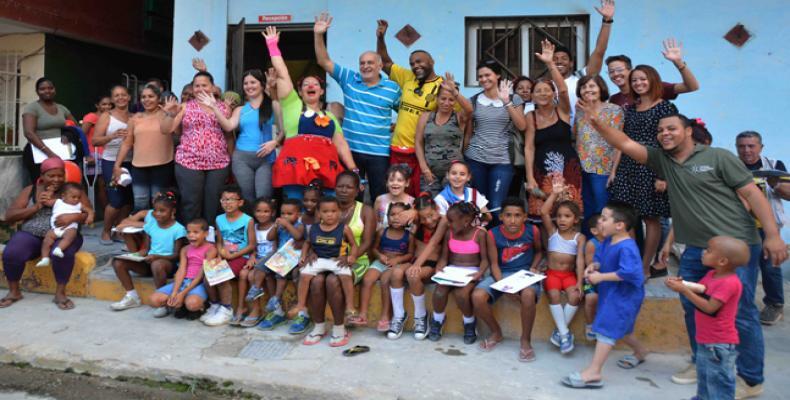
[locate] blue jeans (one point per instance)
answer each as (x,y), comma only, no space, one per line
(148,181)
(594,196)
(772,281)
(716,371)
(375,168)
(751,350)
(117,196)
(493,181)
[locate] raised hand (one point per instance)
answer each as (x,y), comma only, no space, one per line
(271,83)
(381,29)
(171,105)
(206,99)
(606,9)
(673,50)
(199,64)
(558,184)
(505,86)
(448,84)
(322,23)
(589,109)
(547,52)
(270,33)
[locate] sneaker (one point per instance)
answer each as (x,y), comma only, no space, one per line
(126,303)
(555,338)
(58,252)
(421,328)
(181,313)
(396,327)
(212,309)
(44,262)
(566,343)
(299,324)
(470,332)
(771,314)
(686,376)
(271,321)
(273,304)
(254,294)
(222,316)
(589,334)
(744,391)
(436,330)
(161,312)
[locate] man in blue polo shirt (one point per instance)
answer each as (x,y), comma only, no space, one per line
(369,99)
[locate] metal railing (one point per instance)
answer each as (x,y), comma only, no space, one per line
(9,100)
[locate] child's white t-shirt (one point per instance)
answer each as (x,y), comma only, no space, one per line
(480,200)
(61,207)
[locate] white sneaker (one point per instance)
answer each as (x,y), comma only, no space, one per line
(221,317)
(45,261)
(161,312)
(210,312)
(126,303)
(686,376)
(57,252)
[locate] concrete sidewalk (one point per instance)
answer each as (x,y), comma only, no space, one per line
(132,343)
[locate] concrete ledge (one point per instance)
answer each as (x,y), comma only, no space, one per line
(42,280)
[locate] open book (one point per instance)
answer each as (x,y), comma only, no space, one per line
(453,276)
(285,259)
(217,271)
(518,281)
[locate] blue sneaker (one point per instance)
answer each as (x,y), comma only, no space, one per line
(273,304)
(435,331)
(555,338)
(271,321)
(254,294)
(299,325)
(566,343)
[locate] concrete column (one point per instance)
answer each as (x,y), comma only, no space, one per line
(211,18)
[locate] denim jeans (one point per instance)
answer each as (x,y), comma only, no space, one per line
(148,181)
(200,191)
(253,174)
(594,196)
(772,281)
(716,371)
(493,181)
(751,350)
(375,167)
(117,196)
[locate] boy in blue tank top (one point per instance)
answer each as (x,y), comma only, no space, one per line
(518,247)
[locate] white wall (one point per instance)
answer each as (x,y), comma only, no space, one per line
(31,47)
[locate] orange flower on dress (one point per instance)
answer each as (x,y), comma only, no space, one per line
(322,120)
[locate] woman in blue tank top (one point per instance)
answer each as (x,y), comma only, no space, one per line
(255,144)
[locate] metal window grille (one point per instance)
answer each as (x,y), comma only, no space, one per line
(9,100)
(512,41)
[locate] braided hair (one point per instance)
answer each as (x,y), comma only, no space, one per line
(168,199)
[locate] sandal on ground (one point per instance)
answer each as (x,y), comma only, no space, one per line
(312,338)
(357,320)
(9,301)
(526,355)
(488,344)
(236,320)
(629,362)
(65,304)
(249,321)
(575,381)
(383,325)
(336,341)
(355,350)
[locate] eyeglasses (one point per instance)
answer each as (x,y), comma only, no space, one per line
(228,200)
(617,70)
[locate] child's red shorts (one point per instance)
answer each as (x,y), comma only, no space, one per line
(237,264)
(559,280)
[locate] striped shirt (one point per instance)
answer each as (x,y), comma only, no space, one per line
(368,111)
(491,139)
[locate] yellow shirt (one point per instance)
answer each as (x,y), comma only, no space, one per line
(412,104)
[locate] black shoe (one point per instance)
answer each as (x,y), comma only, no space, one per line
(470,332)
(193,315)
(657,273)
(181,313)
(435,333)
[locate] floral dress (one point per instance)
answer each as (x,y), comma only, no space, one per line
(634,183)
(595,154)
(554,156)
(203,146)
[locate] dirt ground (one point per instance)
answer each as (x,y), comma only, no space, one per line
(72,386)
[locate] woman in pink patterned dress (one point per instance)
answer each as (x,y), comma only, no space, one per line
(202,157)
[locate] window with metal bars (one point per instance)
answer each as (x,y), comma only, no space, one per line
(511,42)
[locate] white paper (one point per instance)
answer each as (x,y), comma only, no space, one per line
(131,257)
(65,151)
(517,282)
(454,276)
(129,229)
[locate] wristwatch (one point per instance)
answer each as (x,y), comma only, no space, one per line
(607,21)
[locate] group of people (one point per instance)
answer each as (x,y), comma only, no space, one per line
(549,175)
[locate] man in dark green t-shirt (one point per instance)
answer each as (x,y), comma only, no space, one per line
(705,187)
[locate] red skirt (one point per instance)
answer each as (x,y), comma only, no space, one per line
(304,158)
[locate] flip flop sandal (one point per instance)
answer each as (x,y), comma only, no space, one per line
(236,320)
(358,321)
(355,350)
(487,345)
(383,326)
(312,339)
(629,362)
(526,356)
(575,381)
(64,305)
(335,341)
(249,322)
(9,301)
